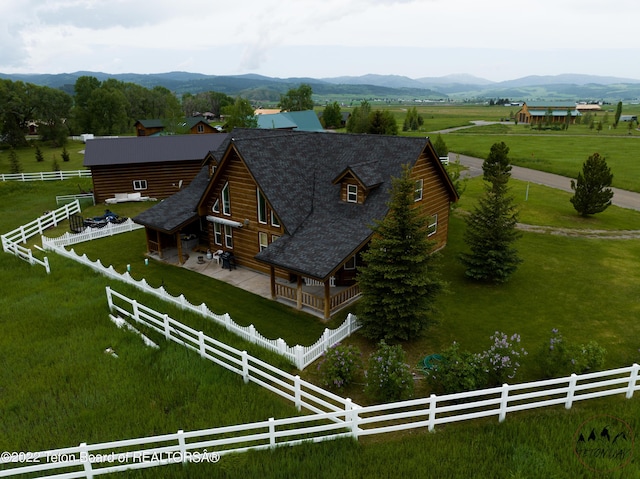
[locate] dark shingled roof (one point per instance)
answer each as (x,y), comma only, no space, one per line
(295,172)
(136,150)
(178,210)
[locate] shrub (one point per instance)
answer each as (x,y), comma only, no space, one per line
(560,358)
(65,154)
(502,359)
(457,371)
(339,366)
(388,377)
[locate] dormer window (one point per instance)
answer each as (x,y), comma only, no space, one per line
(352,193)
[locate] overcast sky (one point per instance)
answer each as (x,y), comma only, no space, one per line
(493,39)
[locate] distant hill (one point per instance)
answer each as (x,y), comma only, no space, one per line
(383,87)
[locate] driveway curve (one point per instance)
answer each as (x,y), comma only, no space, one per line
(622,198)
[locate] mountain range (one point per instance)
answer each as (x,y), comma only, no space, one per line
(456,87)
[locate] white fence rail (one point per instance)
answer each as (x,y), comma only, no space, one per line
(300,392)
(300,356)
(46,175)
(71,198)
(93,460)
(21,235)
(90,234)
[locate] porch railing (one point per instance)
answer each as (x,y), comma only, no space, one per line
(316,302)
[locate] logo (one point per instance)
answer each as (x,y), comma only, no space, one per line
(604,443)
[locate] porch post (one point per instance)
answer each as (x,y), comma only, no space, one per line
(179,248)
(299,293)
(327,298)
(272,273)
(159,244)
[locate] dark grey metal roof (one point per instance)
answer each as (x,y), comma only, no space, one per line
(180,209)
(136,150)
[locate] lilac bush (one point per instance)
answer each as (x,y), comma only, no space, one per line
(558,357)
(339,366)
(502,359)
(388,377)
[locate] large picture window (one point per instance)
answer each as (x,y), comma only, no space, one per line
(226,200)
(262,208)
(228,236)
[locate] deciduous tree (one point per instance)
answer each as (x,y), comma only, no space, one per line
(297,99)
(491,226)
(332,116)
(399,282)
(240,115)
(592,193)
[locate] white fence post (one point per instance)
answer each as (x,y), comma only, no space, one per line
(252,333)
(46,265)
(167,327)
(296,392)
(504,400)
(632,380)
(183,446)
(298,352)
(86,462)
(433,409)
(272,433)
(571,391)
(136,311)
(245,367)
(109,298)
(201,344)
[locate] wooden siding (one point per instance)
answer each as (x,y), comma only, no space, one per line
(142,131)
(244,206)
(435,198)
(206,128)
(162,178)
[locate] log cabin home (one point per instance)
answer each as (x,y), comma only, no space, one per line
(298,207)
(155,167)
(153,127)
(538,113)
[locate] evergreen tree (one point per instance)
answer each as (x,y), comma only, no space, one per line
(399,283)
(618,114)
(65,154)
(14,162)
(413,121)
(359,119)
(39,155)
(55,166)
(592,193)
(491,227)
(382,122)
(440,146)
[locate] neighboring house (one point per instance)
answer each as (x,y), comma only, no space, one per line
(552,112)
(298,206)
(629,118)
(194,125)
(153,166)
(290,120)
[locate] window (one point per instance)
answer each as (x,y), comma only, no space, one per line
(228,236)
(200,128)
(351,263)
(274,220)
(217,233)
(139,185)
(226,201)
(274,237)
(418,191)
(262,208)
(432,227)
(263,239)
(216,206)
(352,193)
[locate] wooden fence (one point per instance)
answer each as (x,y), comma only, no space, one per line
(46,175)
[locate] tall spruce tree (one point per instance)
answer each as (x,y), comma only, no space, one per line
(399,282)
(491,227)
(592,193)
(14,162)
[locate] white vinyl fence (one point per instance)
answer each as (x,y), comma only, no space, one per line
(71,198)
(46,175)
(300,356)
(300,392)
(211,445)
(90,234)
(23,233)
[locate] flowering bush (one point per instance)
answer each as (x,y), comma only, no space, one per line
(388,377)
(457,371)
(502,359)
(339,366)
(560,358)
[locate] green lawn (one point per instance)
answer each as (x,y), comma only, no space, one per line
(27,157)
